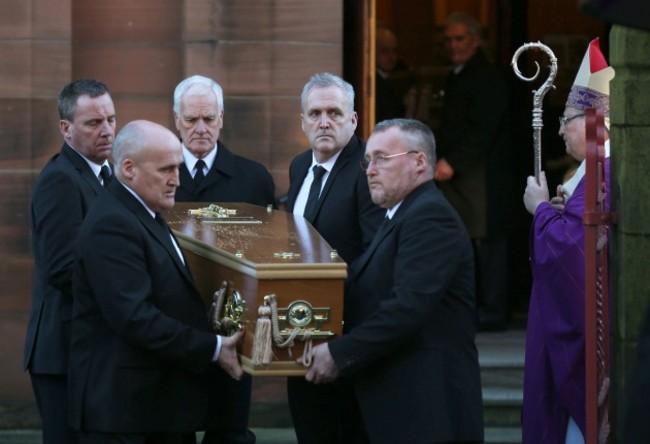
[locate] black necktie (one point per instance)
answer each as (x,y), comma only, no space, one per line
(162,222)
(168,236)
(198,177)
(314,192)
(105,174)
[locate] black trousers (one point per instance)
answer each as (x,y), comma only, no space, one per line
(51,393)
(492,286)
(325,413)
(229,409)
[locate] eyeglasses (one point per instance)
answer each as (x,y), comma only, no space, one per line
(565,119)
(381,160)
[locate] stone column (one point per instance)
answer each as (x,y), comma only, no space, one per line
(630,194)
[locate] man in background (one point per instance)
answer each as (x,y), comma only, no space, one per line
(473,166)
(389,104)
(64,192)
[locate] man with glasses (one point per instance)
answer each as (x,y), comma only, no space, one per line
(554,378)
(409,335)
(327,187)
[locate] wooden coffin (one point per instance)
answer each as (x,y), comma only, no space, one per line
(259,252)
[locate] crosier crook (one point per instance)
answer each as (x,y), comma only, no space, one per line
(538,97)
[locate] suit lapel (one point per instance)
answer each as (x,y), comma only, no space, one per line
(186,180)
(384,230)
(343,160)
(158,232)
(85,172)
(302,167)
(163,235)
(387,227)
(223,167)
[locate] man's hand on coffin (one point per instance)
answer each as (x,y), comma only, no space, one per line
(323,368)
(228,358)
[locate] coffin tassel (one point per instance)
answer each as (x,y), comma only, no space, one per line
(267,335)
(262,347)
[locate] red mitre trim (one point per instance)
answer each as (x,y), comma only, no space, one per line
(597,60)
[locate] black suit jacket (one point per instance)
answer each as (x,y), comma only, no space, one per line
(65,190)
(474,138)
(140,335)
(388,103)
(409,319)
(346,217)
(232,178)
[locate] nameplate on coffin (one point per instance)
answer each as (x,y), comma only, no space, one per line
(270,272)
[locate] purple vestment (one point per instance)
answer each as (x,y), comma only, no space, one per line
(554,376)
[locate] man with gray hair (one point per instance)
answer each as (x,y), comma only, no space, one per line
(327,187)
(473,168)
(408,346)
(211,172)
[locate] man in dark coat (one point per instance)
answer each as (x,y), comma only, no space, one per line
(141,343)
(344,215)
(474,155)
(210,172)
(409,305)
(64,192)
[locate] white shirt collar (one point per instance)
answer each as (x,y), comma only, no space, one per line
(190,159)
(328,165)
(149,210)
(93,166)
(391,211)
(570,185)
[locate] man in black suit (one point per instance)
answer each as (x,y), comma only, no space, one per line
(473,170)
(389,104)
(210,172)
(345,216)
(64,192)
(141,344)
(409,304)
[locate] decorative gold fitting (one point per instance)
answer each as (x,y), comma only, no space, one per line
(227,310)
(286,255)
(301,314)
(306,333)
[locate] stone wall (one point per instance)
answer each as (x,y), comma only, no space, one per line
(260,51)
